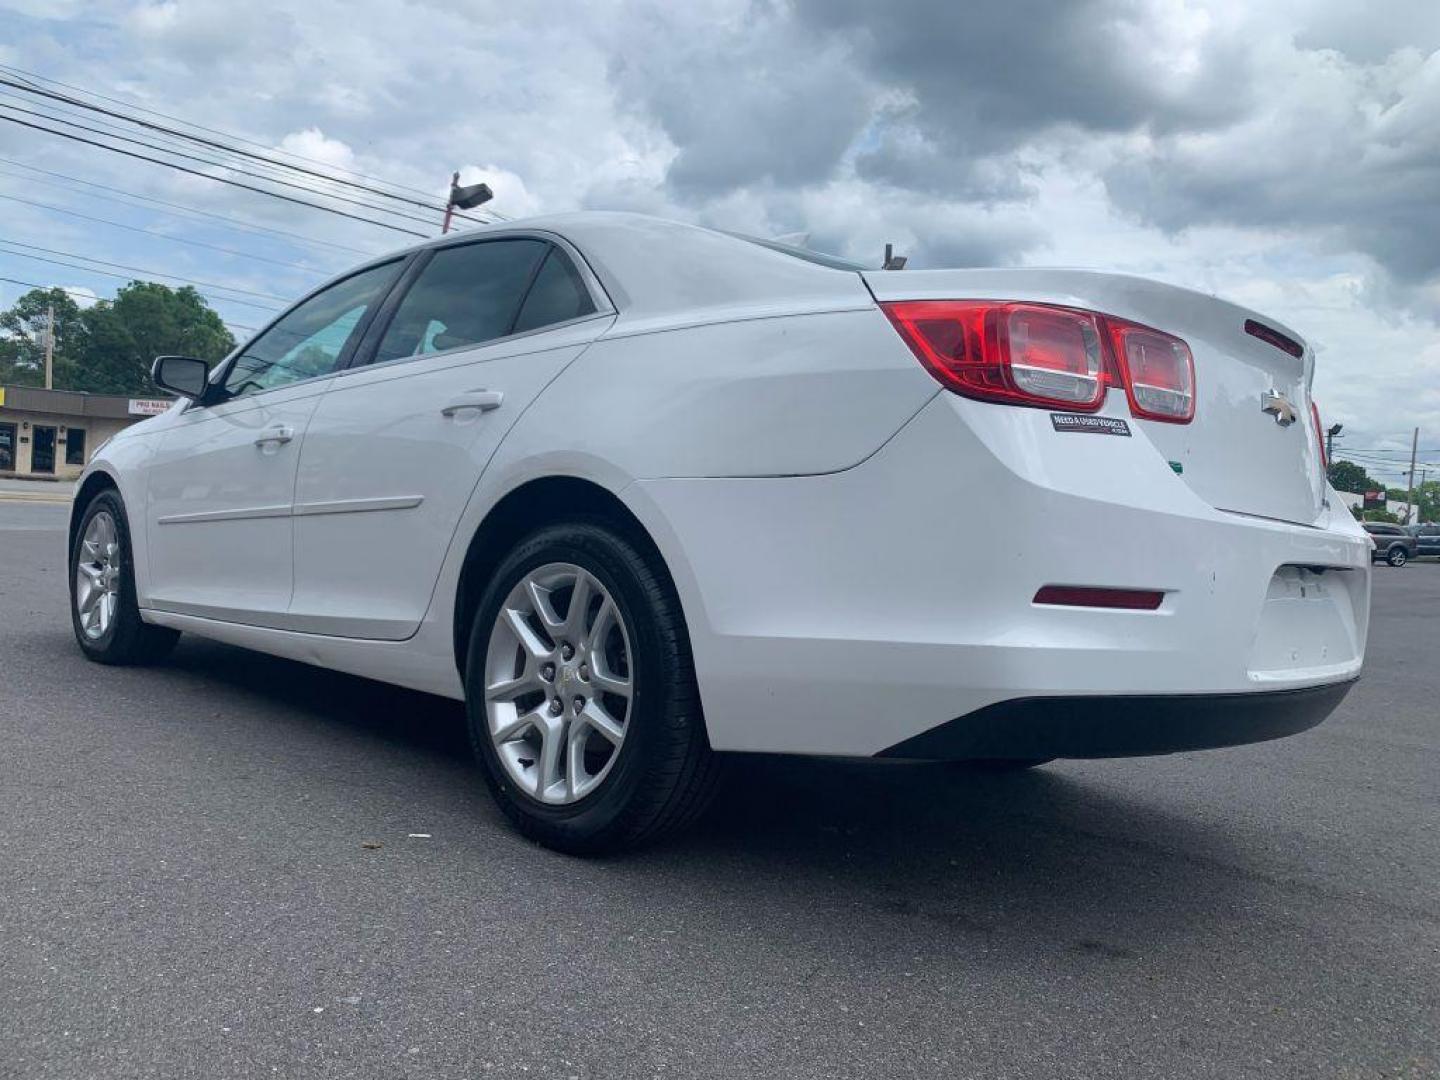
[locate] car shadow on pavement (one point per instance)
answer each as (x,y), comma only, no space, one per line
(393,714)
(1064,851)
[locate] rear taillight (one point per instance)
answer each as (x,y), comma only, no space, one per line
(1319,437)
(1020,354)
(1157,370)
(1046,356)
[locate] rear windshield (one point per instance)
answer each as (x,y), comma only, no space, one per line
(834,262)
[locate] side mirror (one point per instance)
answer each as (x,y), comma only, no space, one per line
(183,375)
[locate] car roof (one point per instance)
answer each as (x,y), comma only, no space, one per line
(654,268)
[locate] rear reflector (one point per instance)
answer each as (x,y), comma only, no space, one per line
(1274,337)
(1082,596)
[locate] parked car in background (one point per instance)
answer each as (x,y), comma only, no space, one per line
(638,492)
(1427,538)
(1393,543)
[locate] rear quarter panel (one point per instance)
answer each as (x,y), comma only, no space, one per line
(772,396)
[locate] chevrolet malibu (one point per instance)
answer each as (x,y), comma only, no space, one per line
(640,492)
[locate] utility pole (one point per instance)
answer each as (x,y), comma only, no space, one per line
(1330,435)
(50,347)
(1410,498)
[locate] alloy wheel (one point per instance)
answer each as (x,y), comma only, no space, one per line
(97,576)
(559,683)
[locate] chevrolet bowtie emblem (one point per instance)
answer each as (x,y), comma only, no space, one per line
(1278,406)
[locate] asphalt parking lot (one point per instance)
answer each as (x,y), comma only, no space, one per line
(185,891)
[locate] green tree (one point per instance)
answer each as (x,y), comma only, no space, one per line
(22,339)
(1347,476)
(145,320)
(1427,497)
(108,347)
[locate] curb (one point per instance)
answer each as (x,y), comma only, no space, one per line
(29,497)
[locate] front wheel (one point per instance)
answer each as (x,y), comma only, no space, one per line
(581,695)
(103,610)
(1397,557)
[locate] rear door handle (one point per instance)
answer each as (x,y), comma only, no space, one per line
(276,436)
(480,400)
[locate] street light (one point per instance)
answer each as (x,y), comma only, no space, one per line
(466,198)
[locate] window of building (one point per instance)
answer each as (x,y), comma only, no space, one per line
(75,446)
(466,295)
(311,338)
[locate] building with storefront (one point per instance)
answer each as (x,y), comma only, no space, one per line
(50,434)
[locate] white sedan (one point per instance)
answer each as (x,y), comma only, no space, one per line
(639,492)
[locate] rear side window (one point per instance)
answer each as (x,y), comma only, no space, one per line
(466,295)
(558,295)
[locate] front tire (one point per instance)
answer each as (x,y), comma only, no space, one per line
(581,695)
(1397,557)
(103,609)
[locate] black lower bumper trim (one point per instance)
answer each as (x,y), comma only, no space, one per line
(1095,727)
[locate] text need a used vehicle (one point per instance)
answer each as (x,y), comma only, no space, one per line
(641,492)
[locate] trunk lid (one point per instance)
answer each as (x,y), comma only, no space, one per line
(1234,455)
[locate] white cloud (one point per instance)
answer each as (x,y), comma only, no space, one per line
(1284,154)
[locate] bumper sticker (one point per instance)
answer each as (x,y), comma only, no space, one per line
(1093,425)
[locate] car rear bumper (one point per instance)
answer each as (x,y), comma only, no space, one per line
(1089,727)
(850,612)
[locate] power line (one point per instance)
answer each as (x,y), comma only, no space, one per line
(112,194)
(210,161)
(29,87)
(172,277)
(216,179)
(160,236)
(141,270)
(223,147)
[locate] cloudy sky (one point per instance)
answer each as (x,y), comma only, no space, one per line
(1284,154)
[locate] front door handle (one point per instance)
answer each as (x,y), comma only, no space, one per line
(276,436)
(480,400)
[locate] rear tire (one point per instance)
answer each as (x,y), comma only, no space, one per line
(104,612)
(1397,557)
(653,770)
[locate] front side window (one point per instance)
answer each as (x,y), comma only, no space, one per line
(465,295)
(310,339)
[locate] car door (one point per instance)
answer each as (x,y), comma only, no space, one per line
(399,440)
(220,487)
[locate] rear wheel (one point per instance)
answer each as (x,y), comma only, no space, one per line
(581,695)
(1398,556)
(103,609)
